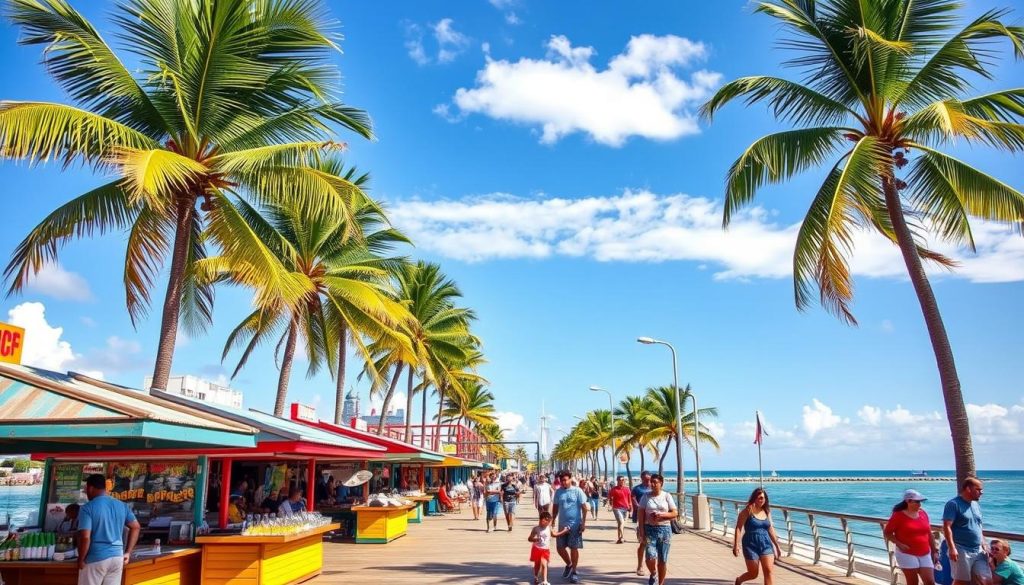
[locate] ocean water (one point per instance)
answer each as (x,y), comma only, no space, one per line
(1002,503)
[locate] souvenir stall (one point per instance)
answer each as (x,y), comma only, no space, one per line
(81,426)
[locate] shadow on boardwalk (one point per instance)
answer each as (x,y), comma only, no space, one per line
(456,549)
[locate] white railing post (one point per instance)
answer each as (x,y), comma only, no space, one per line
(815,536)
(789,532)
(849,546)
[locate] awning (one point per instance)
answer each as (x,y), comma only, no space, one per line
(44,412)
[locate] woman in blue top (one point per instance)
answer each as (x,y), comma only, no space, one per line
(760,544)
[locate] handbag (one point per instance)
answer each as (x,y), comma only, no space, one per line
(677,525)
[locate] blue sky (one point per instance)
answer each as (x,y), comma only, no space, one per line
(547,155)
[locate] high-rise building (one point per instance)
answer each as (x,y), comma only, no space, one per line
(199,389)
(350,408)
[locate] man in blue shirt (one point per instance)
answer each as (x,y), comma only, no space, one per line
(101,553)
(569,505)
(962,528)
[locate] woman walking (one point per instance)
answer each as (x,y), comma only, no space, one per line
(476,495)
(910,532)
(656,514)
(760,544)
(620,499)
(593,496)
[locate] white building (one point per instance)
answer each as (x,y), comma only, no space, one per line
(200,389)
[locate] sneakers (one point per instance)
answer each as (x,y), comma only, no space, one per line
(566,571)
(488,527)
(651,579)
(574,577)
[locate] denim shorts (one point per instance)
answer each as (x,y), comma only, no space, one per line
(573,539)
(620,514)
(510,507)
(492,509)
(659,541)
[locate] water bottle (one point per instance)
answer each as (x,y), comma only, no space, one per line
(156,546)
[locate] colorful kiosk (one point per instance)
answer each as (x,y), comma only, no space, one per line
(52,415)
(401,467)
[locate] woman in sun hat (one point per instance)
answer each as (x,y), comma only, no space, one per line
(910,532)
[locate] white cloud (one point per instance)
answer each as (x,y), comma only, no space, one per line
(513,421)
(502,4)
(512,18)
(53,281)
(116,356)
(397,402)
(818,417)
(449,42)
(44,347)
(640,93)
(641,226)
(871,415)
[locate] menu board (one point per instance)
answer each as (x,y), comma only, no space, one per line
(129,481)
(275,479)
(67,483)
(171,482)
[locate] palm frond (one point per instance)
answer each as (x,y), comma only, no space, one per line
(775,158)
(788,101)
(147,245)
(154,176)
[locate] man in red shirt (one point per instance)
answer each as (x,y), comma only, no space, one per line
(622,503)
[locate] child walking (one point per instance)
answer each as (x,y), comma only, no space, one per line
(540,552)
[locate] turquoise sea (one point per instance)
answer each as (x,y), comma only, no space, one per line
(1002,503)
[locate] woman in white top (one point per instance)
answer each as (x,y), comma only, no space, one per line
(657,511)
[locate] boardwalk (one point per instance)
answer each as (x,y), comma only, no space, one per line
(455,549)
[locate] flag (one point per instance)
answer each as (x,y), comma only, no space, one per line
(759,433)
(373,412)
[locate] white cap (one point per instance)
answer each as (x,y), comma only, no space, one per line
(913,495)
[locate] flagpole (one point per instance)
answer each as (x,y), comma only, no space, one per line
(760,469)
(760,434)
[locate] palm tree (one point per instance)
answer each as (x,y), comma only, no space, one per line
(662,415)
(229,100)
(344,279)
(440,328)
(474,405)
(886,84)
(492,433)
(631,428)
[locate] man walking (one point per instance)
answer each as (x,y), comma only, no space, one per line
(102,554)
(962,528)
(492,494)
(639,492)
(570,508)
(542,493)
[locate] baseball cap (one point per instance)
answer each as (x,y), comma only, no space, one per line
(913,495)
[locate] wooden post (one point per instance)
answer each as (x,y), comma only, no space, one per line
(225,491)
(423,480)
(366,486)
(310,485)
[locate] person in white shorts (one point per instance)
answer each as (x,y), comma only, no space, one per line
(542,492)
(962,528)
(910,532)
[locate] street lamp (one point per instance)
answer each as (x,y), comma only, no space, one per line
(611,412)
(679,423)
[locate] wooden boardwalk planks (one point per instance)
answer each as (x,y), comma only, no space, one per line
(456,549)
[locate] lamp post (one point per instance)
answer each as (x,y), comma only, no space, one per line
(611,413)
(699,518)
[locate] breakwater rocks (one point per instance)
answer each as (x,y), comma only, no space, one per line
(798,479)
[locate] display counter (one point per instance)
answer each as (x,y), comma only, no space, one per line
(418,511)
(381,524)
(263,560)
(172,566)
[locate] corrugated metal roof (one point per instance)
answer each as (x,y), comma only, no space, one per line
(35,395)
(274,425)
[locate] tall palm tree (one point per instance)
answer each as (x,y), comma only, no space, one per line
(662,415)
(474,405)
(230,100)
(631,428)
(886,84)
(343,278)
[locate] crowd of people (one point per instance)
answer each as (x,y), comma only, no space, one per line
(565,506)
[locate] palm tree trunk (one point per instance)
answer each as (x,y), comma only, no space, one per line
(956,413)
(423,416)
(408,407)
(286,366)
(172,299)
(387,398)
(604,455)
(629,473)
(440,409)
(661,462)
(339,398)
(679,471)
(642,463)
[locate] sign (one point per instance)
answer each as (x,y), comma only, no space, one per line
(172,482)
(12,341)
(129,481)
(67,483)
(304,412)
(449,448)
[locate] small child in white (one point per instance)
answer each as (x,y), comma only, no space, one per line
(540,553)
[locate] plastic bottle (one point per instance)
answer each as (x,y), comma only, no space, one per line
(156,546)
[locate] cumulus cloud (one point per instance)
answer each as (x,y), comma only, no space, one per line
(641,226)
(512,421)
(871,415)
(397,403)
(45,346)
(817,417)
(448,42)
(56,282)
(642,91)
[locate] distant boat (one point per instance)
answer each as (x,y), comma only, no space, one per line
(918,474)
(775,473)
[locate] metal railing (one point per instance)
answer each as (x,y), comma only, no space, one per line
(849,543)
